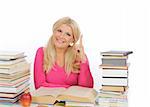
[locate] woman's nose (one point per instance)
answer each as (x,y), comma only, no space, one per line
(62,35)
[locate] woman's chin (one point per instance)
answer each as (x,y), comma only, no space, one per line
(60,46)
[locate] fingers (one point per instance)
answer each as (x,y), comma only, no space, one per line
(79,47)
(76,66)
(80,55)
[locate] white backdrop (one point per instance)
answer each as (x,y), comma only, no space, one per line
(26,25)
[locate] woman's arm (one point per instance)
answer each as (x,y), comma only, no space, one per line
(85,77)
(39,74)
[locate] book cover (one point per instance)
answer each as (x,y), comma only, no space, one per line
(116,53)
(114,62)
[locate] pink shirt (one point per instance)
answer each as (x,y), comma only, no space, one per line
(57,76)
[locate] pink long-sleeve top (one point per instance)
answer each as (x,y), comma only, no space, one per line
(57,76)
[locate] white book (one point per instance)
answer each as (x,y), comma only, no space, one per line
(114,73)
(8,55)
(11,62)
(109,99)
(18,74)
(12,100)
(12,83)
(15,85)
(115,81)
(15,78)
(13,95)
(14,89)
(116,53)
(80,104)
(19,67)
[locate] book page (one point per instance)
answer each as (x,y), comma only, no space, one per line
(80,92)
(46,91)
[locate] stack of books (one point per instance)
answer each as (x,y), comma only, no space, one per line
(114,78)
(14,75)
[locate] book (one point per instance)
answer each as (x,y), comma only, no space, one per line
(14,78)
(12,100)
(116,53)
(114,62)
(14,82)
(78,104)
(13,85)
(113,67)
(14,89)
(18,67)
(115,81)
(114,88)
(114,73)
(11,62)
(47,95)
(15,75)
(112,95)
(107,102)
(12,95)
(115,57)
(9,55)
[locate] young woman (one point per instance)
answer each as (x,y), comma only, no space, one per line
(62,63)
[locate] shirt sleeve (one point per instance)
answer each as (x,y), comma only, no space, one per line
(39,74)
(85,77)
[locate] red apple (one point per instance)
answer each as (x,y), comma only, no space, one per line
(26,99)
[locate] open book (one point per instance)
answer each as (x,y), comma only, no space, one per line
(47,95)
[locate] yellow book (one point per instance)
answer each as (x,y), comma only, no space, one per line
(107,66)
(47,95)
(114,88)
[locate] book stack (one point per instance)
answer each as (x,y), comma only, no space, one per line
(114,78)
(14,75)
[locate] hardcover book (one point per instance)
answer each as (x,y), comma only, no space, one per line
(116,53)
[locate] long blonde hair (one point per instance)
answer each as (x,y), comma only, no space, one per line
(70,55)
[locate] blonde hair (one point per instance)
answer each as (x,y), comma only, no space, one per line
(70,55)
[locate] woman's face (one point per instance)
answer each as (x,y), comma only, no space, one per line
(63,36)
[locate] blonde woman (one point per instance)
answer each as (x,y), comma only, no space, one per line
(62,63)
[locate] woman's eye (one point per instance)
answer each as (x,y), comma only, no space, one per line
(68,34)
(59,30)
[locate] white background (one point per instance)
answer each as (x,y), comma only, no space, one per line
(26,25)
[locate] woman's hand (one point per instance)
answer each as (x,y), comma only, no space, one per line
(80,54)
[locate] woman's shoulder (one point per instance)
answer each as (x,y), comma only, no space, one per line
(40,50)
